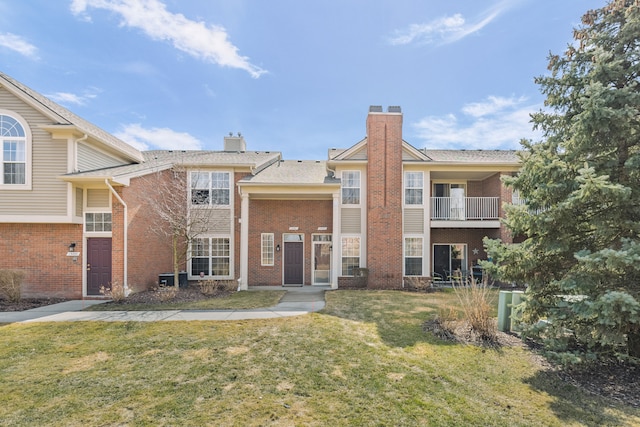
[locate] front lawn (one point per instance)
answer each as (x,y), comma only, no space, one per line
(364,360)
(229,301)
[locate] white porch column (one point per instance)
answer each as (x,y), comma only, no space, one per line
(244,242)
(426,250)
(336,242)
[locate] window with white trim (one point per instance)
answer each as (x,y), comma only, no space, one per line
(351,187)
(14,152)
(350,255)
(210,188)
(413,188)
(97,221)
(210,256)
(266,249)
(413,256)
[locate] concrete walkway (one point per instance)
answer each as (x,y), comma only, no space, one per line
(295,302)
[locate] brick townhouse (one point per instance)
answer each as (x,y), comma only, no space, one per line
(75,216)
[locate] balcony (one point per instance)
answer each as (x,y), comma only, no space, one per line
(465,212)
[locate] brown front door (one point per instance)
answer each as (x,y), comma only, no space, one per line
(98,264)
(293,263)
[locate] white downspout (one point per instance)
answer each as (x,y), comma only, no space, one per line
(126,236)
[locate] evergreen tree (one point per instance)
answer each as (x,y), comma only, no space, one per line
(578,231)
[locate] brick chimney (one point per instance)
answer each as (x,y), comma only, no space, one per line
(384,197)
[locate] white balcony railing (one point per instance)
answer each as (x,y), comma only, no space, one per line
(465,208)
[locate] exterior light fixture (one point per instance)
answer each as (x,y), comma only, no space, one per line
(277,248)
(72,247)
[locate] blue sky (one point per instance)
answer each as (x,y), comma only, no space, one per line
(290,75)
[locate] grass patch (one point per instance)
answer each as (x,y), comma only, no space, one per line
(364,360)
(232,301)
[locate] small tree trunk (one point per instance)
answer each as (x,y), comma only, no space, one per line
(633,343)
(176,267)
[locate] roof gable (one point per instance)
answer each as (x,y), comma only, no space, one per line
(64,118)
(359,152)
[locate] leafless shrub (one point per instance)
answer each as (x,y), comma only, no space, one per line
(10,284)
(167,293)
(213,287)
(416,283)
(116,291)
(476,301)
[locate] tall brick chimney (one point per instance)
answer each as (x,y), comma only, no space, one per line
(384,197)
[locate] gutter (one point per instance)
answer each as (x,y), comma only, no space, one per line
(126,236)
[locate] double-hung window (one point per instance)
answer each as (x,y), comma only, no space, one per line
(210,256)
(413,256)
(351,187)
(413,188)
(14,152)
(350,255)
(210,188)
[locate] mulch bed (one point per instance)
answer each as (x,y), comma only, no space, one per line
(28,303)
(154,296)
(617,381)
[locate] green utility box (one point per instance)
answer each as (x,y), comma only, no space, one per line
(504,311)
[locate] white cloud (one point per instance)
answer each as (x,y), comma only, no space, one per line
(67,98)
(157,138)
(18,44)
(497,123)
(492,105)
(447,29)
(198,39)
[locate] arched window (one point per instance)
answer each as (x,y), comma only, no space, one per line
(15,167)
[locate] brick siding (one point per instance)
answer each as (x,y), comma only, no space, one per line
(40,250)
(276,216)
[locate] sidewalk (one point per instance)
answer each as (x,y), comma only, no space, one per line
(295,302)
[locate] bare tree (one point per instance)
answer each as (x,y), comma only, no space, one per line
(179,212)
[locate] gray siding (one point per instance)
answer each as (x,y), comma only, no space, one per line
(48,195)
(90,159)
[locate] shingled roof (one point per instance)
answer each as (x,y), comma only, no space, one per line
(65,117)
(294,172)
(473,156)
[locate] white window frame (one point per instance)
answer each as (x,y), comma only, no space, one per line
(355,175)
(26,142)
(209,182)
(455,183)
(407,188)
(408,255)
(343,255)
(102,221)
(267,249)
(208,253)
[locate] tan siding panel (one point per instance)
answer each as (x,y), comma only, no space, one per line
(90,159)
(218,222)
(414,221)
(360,155)
(79,200)
(48,195)
(97,198)
(351,220)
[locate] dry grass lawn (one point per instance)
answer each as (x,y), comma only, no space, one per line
(364,360)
